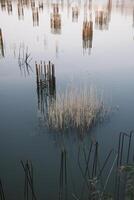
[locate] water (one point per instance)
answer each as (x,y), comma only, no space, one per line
(103,59)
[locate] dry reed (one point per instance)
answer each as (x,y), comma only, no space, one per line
(74,108)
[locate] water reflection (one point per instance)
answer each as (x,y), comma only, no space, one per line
(102,9)
(87,35)
(100,172)
(20,11)
(1,45)
(9,7)
(55,20)
(3,5)
(35,14)
(46,86)
(6,5)
(100,175)
(75,13)
(103,16)
(41,5)
(24,59)
(29,192)
(2,193)
(89,15)
(63,193)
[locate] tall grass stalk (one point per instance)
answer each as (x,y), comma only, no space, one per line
(76,108)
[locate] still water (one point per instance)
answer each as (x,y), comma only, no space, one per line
(89,41)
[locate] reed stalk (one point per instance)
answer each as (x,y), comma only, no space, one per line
(76,108)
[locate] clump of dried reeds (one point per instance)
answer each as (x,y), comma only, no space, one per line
(74,108)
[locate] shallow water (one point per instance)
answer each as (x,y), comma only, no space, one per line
(105,60)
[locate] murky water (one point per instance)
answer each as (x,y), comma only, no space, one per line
(90,41)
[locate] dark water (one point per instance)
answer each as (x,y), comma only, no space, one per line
(104,59)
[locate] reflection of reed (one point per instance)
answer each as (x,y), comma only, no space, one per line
(46,85)
(122,6)
(41,6)
(24,59)
(1,44)
(63,176)
(32,4)
(2,194)
(101,20)
(29,192)
(133,18)
(93,171)
(96,170)
(3,4)
(20,11)
(9,7)
(56,20)
(35,14)
(6,5)
(102,17)
(87,34)
(121,159)
(75,14)
(125,143)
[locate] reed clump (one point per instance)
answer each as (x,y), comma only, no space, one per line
(74,109)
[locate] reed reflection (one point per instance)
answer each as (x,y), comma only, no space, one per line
(1,45)
(103,16)
(29,191)
(55,20)
(76,6)
(24,59)
(46,86)
(99,170)
(87,36)
(35,14)
(32,4)
(6,5)
(87,32)
(99,175)
(20,11)
(133,18)
(95,15)
(75,13)
(63,193)
(3,5)
(2,193)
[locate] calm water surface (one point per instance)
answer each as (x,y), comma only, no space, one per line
(103,57)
